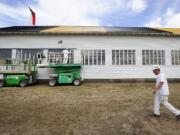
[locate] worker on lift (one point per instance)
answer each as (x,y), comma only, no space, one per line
(66,56)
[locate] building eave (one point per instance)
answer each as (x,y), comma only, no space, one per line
(88,34)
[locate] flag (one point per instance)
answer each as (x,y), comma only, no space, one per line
(33,16)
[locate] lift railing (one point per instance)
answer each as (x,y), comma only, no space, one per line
(17,66)
(57,58)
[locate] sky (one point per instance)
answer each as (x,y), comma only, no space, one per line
(124,13)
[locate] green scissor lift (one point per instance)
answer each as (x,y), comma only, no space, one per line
(22,74)
(65,74)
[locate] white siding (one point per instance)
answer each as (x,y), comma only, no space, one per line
(108,43)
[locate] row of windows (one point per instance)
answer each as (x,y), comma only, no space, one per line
(97,57)
(24,54)
(128,57)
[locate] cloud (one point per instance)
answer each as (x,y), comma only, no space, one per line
(137,5)
(9,11)
(9,14)
(81,12)
(169,19)
(155,23)
(71,12)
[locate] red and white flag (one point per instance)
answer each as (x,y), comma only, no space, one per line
(33,16)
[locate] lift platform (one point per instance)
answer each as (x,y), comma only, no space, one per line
(13,73)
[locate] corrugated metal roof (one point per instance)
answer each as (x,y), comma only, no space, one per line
(97,30)
(25,28)
(173,30)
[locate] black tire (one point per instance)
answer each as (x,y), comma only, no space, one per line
(2,83)
(77,82)
(52,82)
(24,83)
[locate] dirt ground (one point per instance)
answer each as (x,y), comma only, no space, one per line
(90,109)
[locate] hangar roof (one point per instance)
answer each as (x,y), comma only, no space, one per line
(88,30)
(173,30)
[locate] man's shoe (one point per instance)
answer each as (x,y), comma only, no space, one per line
(178,117)
(154,115)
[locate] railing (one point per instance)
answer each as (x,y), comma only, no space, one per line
(10,65)
(57,58)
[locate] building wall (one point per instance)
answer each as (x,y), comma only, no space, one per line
(107,43)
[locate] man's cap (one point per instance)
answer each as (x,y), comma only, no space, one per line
(156,67)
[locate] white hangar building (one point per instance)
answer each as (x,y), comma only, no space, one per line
(106,52)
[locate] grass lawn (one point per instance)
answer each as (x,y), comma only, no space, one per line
(90,109)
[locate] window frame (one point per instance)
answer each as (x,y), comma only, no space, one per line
(93,57)
(175,54)
(123,57)
(153,57)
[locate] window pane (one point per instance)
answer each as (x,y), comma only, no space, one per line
(5,53)
(82,56)
(90,57)
(86,57)
(95,57)
(134,57)
(121,57)
(113,57)
(147,57)
(143,57)
(103,57)
(155,57)
(117,57)
(159,57)
(125,57)
(99,57)
(163,58)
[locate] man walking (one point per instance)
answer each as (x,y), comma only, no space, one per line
(161,92)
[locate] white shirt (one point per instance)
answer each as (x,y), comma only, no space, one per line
(65,52)
(164,90)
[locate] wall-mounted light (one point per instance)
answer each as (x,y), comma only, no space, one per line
(60,41)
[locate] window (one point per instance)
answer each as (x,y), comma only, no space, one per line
(28,53)
(175,57)
(5,53)
(123,57)
(153,57)
(93,57)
